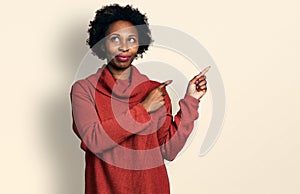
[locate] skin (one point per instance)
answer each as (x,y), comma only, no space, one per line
(122,39)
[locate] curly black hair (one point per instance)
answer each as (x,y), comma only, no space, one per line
(112,13)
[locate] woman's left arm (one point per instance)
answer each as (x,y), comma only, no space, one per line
(173,134)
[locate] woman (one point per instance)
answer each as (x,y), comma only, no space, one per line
(123,119)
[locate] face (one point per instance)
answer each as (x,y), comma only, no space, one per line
(121,44)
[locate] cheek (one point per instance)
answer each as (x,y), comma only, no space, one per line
(135,48)
(111,49)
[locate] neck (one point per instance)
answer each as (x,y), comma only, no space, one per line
(122,74)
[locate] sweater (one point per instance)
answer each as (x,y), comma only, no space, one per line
(125,146)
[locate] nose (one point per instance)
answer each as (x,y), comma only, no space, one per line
(123,49)
(123,46)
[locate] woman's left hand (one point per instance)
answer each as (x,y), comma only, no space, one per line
(197,86)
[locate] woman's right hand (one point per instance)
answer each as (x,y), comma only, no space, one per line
(155,98)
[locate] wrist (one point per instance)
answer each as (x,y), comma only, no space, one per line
(145,107)
(192,96)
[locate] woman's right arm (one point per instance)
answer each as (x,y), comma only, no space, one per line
(101,136)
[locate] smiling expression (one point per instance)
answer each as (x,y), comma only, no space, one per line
(121,44)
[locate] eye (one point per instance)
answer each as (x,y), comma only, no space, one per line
(132,40)
(115,39)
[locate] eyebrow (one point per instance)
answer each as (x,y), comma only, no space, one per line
(114,34)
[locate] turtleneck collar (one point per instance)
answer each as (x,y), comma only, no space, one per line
(131,88)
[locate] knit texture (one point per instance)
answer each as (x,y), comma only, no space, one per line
(124,145)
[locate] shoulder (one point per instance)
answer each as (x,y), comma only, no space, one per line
(78,85)
(81,90)
(86,84)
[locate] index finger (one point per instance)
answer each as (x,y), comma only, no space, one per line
(164,84)
(205,70)
(202,73)
(167,82)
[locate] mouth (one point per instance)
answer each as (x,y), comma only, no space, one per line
(123,58)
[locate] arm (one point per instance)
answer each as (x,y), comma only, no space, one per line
(173,134)
(100,136)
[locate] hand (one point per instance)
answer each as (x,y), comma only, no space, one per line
(155,98)
(197,86)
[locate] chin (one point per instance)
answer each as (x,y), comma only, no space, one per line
(120,65)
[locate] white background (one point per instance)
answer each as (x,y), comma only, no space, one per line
(255,45)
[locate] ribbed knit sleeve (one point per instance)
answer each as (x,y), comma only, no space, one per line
(173,134)
(91,131)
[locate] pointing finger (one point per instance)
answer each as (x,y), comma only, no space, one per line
(201,74)
(168,82)
(205,70)
(164,84)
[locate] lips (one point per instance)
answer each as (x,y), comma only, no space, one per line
(123,58)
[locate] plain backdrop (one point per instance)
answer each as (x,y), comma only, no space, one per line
(255,45)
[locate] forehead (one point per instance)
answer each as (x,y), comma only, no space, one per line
(122,27)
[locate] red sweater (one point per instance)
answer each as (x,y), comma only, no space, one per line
(126,146)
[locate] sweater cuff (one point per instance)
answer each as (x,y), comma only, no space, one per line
(191,98)
(190,106)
